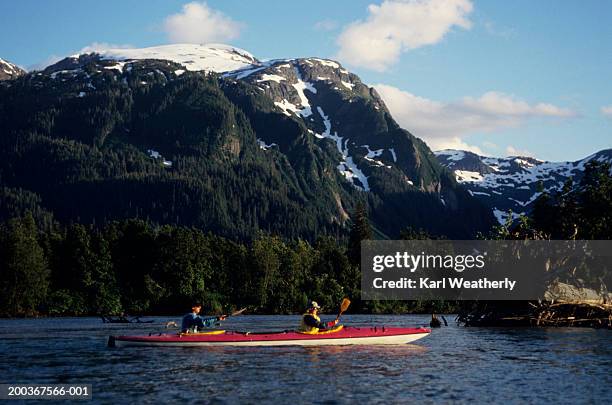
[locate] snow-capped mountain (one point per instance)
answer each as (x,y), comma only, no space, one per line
(514,182)
(9,71)
(288,146)
(210,57)
(306,89)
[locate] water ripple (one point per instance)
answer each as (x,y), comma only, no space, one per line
(453,364)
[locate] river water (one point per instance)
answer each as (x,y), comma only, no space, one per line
(453,364)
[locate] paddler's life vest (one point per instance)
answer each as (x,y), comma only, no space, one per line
(308,328)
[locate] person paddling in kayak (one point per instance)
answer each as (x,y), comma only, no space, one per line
(311,323)
(193,321)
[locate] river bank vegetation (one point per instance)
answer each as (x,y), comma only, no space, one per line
(580,211)
(137,267)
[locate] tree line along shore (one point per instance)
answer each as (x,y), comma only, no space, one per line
(138,267)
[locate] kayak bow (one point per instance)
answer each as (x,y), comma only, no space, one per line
(342,336)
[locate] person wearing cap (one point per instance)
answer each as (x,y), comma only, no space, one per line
(193,321)
(311,323)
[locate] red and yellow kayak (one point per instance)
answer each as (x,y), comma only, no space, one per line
(338,336)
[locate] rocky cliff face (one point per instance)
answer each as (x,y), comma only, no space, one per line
(9,71)
(335,105)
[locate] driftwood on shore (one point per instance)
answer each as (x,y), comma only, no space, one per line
(574,314)
(527,313)
(563,305)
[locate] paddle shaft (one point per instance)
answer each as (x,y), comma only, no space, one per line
(236,313)
(343,307)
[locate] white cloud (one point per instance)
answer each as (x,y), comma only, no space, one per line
(197,23)
(445,124)
(93,47)
(325,25)
(500,104)
(512,151)
(454,142)
(607,111)
(490,145)
(502,32)
(43,64)
(102,46)
(398,26)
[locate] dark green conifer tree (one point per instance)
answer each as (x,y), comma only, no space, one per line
(24,275)
(360,230)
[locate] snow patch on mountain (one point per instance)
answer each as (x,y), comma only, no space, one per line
(65,74)
(243,73)
(9,71)
(264,145)
(512,183)
(454,155)
(347,166)
(502,216)
(478,193)
(118,66)
(208,57)
(324,62)
(348,85)
(374,153)
(287,107)
(273,78)
(153,154)
(300,87)
(304,109)
(467,176)
(392,150)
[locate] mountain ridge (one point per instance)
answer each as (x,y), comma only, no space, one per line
(9,71)
(308,128)
(513,183)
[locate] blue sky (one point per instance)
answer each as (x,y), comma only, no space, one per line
(498,77)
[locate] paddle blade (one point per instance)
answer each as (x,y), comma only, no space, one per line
(238,312)
(345,304)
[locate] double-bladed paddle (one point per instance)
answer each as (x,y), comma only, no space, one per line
(173,324)
(343,307)
(239,312)
(235,313)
